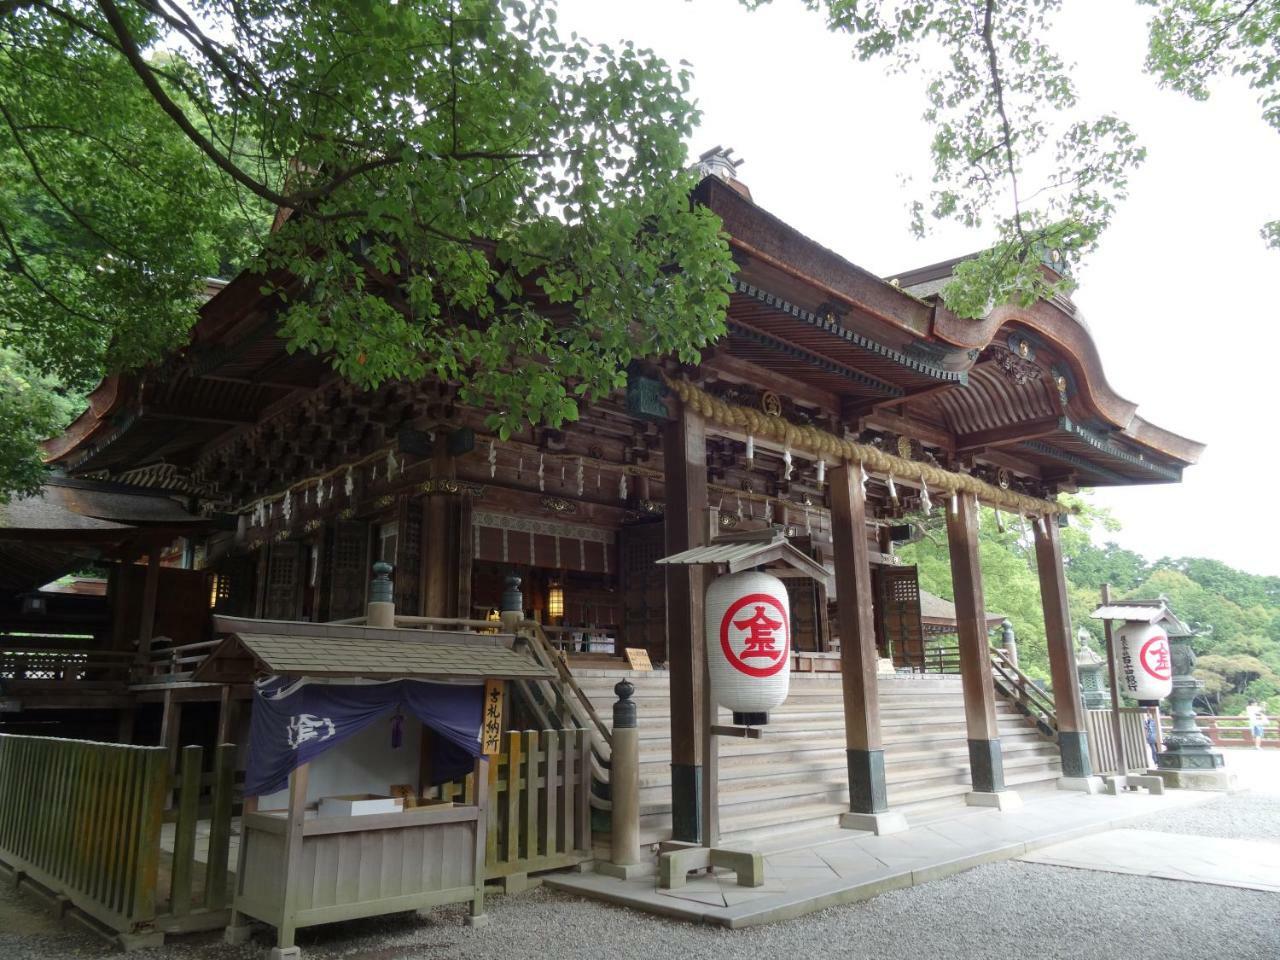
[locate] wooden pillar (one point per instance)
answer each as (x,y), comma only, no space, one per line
(293,856)
(685,465)
(150,589)
(439,587)
(228,715)
(985,762)
(858,660)
(170,726)
(1073,738)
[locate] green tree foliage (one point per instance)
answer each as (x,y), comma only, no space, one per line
(34,406)
(1011,150)
(472,195)
(1239,612)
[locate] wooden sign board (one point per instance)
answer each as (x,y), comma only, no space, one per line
(638,658)
(491,725)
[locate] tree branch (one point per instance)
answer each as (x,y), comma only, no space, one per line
(997,88)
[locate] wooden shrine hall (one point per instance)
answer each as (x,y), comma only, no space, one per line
(836,407)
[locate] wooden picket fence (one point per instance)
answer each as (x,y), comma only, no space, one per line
(198,796)
(539,802)
(83,820)
(1102,751)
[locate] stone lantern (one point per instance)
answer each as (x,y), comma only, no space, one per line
(1091,668)
(1189,758)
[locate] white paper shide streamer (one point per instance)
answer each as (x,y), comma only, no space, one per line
(748,627)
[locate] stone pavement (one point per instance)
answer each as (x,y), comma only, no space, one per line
(845,866)
(1231,863)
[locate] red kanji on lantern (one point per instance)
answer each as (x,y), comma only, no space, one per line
(1155,657)
(767,635)
(760,641)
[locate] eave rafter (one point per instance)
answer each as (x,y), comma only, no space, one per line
(1012,434)
(835,329)
(857,377)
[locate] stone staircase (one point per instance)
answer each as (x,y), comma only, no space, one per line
(794,779)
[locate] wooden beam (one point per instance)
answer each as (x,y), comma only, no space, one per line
(685,457)
(928,435)
(858,658)
(1004,436)
(205,415)
(1072,731)
(737,370)
(985,761)
(924,393)
(999,458)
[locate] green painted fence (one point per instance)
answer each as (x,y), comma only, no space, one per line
(83,820)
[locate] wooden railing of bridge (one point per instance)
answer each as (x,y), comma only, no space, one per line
(1235,731)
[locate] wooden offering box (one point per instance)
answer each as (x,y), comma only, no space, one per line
(297,870)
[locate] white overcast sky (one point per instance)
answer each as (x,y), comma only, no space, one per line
(1180,298)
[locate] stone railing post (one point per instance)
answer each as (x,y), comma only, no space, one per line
(624,791)
(381,611)
(1010,641)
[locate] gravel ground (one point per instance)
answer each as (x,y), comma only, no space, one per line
(1007,909)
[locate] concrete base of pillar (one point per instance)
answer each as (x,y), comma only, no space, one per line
(625,871)
(1081,784)
(1113,785)
(885,667)
(1001,799)
(877,823)
(285,953)
(478,921)
(1216,781)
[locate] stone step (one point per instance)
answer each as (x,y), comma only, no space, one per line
(794,779)
(902,748)
(833,757)
(777,791)
(893,731)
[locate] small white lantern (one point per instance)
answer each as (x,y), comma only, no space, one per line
(1145,667)
(748,626)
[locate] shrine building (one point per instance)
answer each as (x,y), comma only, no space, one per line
(236,482)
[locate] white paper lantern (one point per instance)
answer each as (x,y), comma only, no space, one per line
(1145,667)
(748,621)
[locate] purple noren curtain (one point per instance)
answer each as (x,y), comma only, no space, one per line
(293,722)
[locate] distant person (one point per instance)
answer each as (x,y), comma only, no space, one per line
(1149,727)
(1257,722)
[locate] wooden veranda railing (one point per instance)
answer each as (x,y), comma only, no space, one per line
(83,820)
(28,666)
(539,802)
(174,663)
(1031,701)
